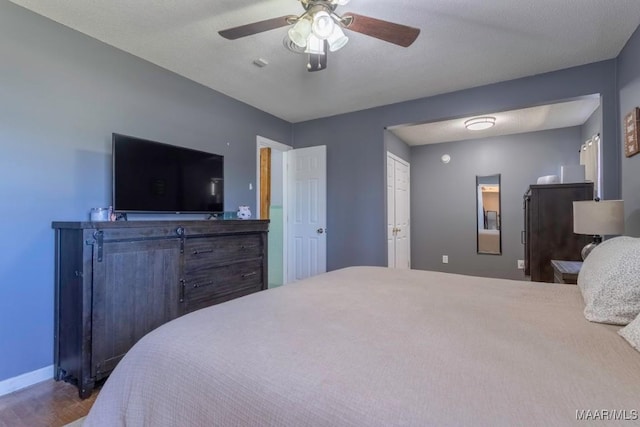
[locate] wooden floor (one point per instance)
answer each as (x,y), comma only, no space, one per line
(49,403)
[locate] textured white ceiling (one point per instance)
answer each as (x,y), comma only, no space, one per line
(532,119)
(463,43)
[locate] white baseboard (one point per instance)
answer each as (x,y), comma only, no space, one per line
(25,380)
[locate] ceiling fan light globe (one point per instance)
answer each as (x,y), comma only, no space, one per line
(341,2)
(315,45)
(299,33)
(323,25)
(337,40)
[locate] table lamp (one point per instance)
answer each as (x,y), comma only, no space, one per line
(598,218)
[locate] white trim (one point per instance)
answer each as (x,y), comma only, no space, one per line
(266,142)
(25,380)
(399,159)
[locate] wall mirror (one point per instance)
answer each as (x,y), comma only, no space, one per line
(489,234)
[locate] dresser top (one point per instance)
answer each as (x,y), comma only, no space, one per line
(169,227)
(559,185)
(213,223)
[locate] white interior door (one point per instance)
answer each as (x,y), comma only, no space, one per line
(307,215)
(398,218)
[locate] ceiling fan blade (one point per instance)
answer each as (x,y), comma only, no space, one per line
(401,35)
(257,27)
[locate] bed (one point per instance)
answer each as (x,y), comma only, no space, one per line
(374,346)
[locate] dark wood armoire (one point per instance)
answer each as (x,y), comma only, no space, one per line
(548,227)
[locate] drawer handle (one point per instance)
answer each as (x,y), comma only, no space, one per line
(199,285)
(244,276)
(206,251)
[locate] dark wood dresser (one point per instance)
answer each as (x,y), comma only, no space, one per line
(117,281)
(548,222)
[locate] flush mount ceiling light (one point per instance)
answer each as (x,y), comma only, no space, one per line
(480,123)
(319,30)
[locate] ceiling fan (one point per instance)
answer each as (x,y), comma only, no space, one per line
(319,30)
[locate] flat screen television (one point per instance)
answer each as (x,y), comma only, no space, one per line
(153,177)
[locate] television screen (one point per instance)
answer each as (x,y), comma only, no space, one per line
(155,177)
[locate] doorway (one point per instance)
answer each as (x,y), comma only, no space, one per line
(271,203)
(291,191)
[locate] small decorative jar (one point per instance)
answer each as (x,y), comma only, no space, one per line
(244,212)
(100,214)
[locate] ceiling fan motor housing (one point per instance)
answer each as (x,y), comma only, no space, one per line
(329,5)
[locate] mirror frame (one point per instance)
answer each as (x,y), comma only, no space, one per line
(500,215)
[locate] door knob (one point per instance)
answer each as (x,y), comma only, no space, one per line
(320,230)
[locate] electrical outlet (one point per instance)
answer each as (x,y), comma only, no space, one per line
(445,259)
(520,264)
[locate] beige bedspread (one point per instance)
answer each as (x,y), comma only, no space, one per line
(371,346)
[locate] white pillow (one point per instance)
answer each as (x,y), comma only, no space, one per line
(610,281)
(631,333)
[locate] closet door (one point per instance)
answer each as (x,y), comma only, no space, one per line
(398,220)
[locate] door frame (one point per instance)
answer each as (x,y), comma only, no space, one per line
(408,165)
(262,142)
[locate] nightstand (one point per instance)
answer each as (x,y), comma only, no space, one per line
(566,271)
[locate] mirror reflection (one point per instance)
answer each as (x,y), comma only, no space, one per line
(489,238)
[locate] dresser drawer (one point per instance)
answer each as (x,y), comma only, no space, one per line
(222,283)
(221,249)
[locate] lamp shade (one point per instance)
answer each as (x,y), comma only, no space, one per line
(323,25)
(315,46)
(300,31)
(605,217)
(337,39)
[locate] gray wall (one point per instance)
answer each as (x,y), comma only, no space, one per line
(62,94)
(356,149)
(396,146)
(629,86)
(356,164)
(443,197)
